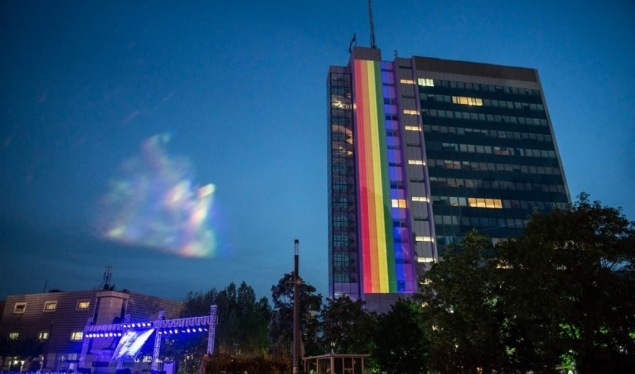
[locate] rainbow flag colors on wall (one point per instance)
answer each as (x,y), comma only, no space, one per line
(375,221)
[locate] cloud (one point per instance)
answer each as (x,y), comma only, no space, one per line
(154,202)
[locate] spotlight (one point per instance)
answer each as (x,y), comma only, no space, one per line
(170,331)
(188,330)
(176,331)
(200,329)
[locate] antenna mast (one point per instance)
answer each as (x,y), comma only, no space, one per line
(372,26)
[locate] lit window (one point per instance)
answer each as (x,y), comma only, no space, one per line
(413,128)
(147,358)
(409,111)
(77,335)
(425,259)
(407,81)
(467,100)
(484,203)
(50,306)
(420,198)
(43,335)
(19,308)
(14,335)
(416,162)
(426,82)
(83,304)
(424,239)
(399,203)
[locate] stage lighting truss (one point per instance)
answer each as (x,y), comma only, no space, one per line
(167,326)
(162,326)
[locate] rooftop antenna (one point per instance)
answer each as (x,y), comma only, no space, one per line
(107,277)
(372,26)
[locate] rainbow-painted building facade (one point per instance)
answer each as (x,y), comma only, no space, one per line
(422,150)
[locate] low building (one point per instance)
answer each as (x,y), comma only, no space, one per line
(57,319)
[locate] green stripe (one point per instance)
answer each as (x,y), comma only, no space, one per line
(385,181)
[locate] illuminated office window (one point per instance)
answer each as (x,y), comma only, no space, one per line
(83,304)
(424,239)
(50,306)
(420,198)
(484,203)
(426,82)
(399,203)
(409,111)
(407,81)
(425,259)
(77,335)
(467,100)
(43,335)
(14,335)
(413,128)
(416,162)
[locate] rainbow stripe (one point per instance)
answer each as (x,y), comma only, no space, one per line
(376,239)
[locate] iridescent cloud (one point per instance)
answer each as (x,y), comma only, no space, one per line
(155,203)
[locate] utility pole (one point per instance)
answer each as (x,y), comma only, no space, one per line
(296,306)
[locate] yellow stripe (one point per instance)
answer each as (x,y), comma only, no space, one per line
(380,248)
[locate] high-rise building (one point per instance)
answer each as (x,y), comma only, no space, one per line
(422,150)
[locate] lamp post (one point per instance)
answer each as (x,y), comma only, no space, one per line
(296,306)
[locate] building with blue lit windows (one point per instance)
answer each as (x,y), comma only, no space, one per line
(422,150)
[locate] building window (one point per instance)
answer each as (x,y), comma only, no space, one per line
(485,203)
(423,239)
(14,335)
(416,162)
(19,308)
(43,335)
(147,358)
(50,306)
(467,100)
(425,259)
(426,82)
(77,335)
(410,111)
(82,304)
(413,128)
(399,203)
(420,198)
(407,81)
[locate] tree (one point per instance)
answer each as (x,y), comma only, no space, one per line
(242,325)
(281,323)
(462,315)
(346,326)
(400,343)
(572,277)
(560,296)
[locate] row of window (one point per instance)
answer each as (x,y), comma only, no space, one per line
(495,185)
(495,203)
(427,82)
(486,133)
(500,151)
(50,306)
(44,335)
(476,101)
(482,117)
(489,166)
(479,221)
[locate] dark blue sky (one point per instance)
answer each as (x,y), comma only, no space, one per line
(239,89)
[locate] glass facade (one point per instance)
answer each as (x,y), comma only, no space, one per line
(421,151)
(491,161)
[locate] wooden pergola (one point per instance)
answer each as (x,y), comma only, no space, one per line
(335,363)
